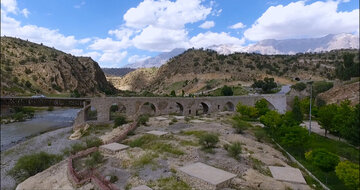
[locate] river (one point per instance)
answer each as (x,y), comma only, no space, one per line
(43,121)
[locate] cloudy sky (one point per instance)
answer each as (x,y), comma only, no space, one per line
(118,32)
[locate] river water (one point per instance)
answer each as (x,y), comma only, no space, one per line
(43,121)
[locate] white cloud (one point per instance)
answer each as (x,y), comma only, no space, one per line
(207,24)
(204,40)
(93,54)
(166,14)
(237,25)
(9,6)
(25,12)
(161,39)
(113,58)
(78,6)
(298,20)
(109,44)
(137,58)
(122,33)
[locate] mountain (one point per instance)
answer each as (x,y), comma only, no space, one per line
(117,72)
(293,46)
(200,70)
(156,61)
(28,68)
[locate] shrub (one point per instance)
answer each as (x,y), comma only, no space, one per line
(226,91)
(93,142)
(208,140)
(76,148)
(348,173)
(234,149)
(321,86)
(247,112)
(141,141)
(299,86)
(293,137)
(262,107)
(240,125)
(271,119)
(143,119)
(95,159)
(172,93)
(323,159)
(120,120)
(32,164)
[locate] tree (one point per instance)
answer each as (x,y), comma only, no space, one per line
(297,114)
(266,85)
(323,159)
(262,107)
(348,173)
(271,120)
(294,137)
(326,115)
(172,93)
(247,112)
(226,91)
(299,86)
(348,68)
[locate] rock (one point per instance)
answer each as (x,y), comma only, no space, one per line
(79,132)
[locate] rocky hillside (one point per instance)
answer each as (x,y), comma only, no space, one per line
(28,68)
(345,91)
(116,72)
(135,80)
(199,70)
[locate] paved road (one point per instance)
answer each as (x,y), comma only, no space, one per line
(315,128)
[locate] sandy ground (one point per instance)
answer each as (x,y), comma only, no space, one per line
(51,142)
(122,164)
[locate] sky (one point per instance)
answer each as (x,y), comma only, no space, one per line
(118,32)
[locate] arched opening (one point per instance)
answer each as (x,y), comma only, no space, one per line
(202,108)
(148,108)
(117,110)
(179,108)
(90,113)
(229,106)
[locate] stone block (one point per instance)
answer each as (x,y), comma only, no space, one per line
(141,187)
(113,148)
(202,176)
(287,174)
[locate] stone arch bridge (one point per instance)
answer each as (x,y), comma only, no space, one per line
(131,106)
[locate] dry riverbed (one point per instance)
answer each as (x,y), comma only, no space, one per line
(154,160)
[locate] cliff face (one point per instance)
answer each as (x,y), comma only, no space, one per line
(28,68)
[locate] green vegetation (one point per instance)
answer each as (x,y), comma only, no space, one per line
(95,159)
(197,134)
(262,107)
(93,142)
(323,159)
(120,120)
(260,166)
(321,86)
(300,86)
(172,93)
(208,141)
(247,112)
(32,164)
(267,85)
(234,149)
(226,91)
(348,68)
(152,142)
(147,158)
(143,119)
(239,125)
(170,183)
(349,173)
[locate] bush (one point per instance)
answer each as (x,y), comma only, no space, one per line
(293,137)
(262,107)
(208,140)
(143,119)
(247,112)
(348,173)
(120,120)
(95,159)
(30,165)
(240,125)
(226,91)
(76,148)
(271,119)
(234,149)
(323,159)
(93,142)
(299,86)
(266,85)
(321,86)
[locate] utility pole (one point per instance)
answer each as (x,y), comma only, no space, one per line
(311,82)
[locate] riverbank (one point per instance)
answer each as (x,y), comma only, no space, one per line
(52,142)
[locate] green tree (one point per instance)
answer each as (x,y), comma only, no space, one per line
(172,93)
(294,138)
(266,85)
(247,112)
(262,107)
(323,159)
(300,86)
(271,120)
(226,91)
(326,115)
(296,110)
(348,68)
(348,173)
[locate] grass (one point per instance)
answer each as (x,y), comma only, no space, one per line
(152,142)
(197,134)
(189,143)
(176,86)
(237,90)
(260,166)
(147,158)
(97,129)
(170,183)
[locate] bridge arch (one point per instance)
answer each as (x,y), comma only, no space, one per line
(148,108)
(229,106)
(116,109)
(179,108)
(202,108)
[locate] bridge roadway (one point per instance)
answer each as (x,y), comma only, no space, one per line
(43,102)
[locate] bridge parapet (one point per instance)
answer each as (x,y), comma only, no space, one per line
(44,102)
